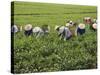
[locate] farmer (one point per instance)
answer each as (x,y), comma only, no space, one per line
(14,29)
(37,31)
(41,31)
(87,20)
(72,27)
(63,32)
(80,30)
(28,29)
(94,26)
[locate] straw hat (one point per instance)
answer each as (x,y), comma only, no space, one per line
(70,21)
(56,27)
(67,24)
(94,26)
(28,27)
(81,26)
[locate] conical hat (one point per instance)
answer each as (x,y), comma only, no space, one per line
(94,26)
(70,21)
(81,26)
(56,27)
(28,27)
(67,24)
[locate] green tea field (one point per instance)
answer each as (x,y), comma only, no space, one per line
(49,53)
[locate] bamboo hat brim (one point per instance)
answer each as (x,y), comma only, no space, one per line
(81,26)
(28,27)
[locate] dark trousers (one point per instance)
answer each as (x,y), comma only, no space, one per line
(80,31)
(27,33)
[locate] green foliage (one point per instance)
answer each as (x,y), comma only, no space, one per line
(49,53)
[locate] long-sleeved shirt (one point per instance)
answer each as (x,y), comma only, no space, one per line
(65,32)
